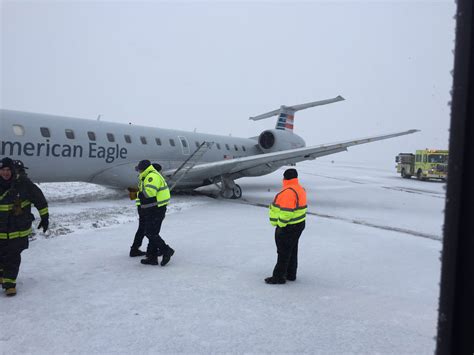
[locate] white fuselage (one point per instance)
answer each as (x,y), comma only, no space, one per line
(58,148)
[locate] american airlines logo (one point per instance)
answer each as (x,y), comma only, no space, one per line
(47,149)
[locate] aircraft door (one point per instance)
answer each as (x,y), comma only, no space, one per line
(184,145)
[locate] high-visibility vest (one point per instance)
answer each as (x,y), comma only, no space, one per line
(154,191)
(289,205)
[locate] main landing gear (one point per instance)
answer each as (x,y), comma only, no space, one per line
(229,189)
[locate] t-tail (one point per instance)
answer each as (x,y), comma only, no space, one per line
(286,114)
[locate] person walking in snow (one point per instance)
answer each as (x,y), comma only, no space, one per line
(288,215)
(140,233)
(17,193)
(154,196)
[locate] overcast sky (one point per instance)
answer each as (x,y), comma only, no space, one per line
(211,65)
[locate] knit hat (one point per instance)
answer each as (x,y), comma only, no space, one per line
(290,174)
(6,163)
(142,165)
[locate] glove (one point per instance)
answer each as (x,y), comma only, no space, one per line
(44,223)
(132,193)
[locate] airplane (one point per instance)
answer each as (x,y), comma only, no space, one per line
(60,149)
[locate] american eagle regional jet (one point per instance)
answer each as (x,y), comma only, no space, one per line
(58,149)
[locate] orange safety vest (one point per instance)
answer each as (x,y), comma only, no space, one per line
(289,205)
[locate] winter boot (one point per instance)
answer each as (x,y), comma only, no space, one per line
(11,291)
(149,261)
(167,256)
(274,281)
(136,252)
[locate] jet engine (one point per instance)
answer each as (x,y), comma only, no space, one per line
(275,140)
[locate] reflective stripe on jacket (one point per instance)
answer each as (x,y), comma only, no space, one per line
(289,205)
(16,199)
(154,191)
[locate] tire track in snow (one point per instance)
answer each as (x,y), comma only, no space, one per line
(395,188)
(360,222)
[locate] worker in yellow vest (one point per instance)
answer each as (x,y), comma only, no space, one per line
(140,233)
(154,196)
(288,215)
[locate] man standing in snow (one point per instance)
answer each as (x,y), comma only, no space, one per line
(288,215)
(17,193)
(154,196)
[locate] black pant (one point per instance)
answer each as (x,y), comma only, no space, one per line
(153,218)
(10,258)
(286,240)
(140,234)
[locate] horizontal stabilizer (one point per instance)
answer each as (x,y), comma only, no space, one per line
(295,108)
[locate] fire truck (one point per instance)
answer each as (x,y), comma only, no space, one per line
(425,164)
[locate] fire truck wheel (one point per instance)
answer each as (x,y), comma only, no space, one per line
(419,175)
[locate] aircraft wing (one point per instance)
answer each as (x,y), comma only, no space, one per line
(272,161)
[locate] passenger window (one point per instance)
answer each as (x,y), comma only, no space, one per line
(218,146)
(69,133)
(18,130)
(110,137)
(158,141)
(91,136)
(184,143)
(45,132)
(172,143)
(227,146)
(243,148)
(143,140)
(235,147)
(128,139)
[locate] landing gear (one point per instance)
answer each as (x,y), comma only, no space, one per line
(229,189)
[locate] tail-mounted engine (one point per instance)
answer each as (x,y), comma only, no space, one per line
(274,140)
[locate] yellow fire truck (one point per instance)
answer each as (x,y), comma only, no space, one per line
(425,164)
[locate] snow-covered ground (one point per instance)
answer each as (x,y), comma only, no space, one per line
(368,278)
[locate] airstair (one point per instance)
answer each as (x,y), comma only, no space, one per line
(188,164)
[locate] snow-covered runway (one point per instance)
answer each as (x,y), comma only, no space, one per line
(360,288)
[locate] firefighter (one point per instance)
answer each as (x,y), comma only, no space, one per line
(140,233)
(17,193)
(154,196)
(288,215)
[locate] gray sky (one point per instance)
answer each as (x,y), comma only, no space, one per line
(210,65)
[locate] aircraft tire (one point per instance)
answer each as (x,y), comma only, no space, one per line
(237,192)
